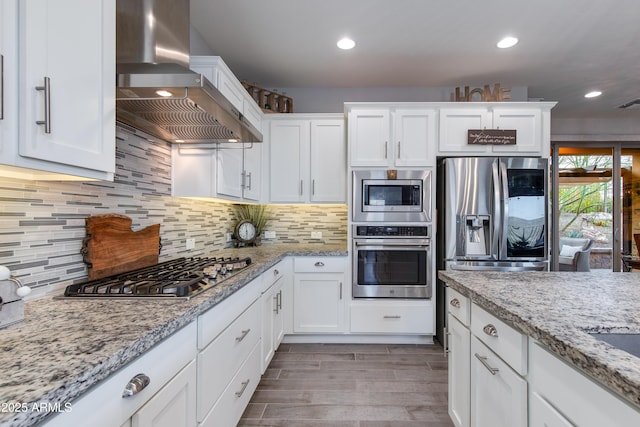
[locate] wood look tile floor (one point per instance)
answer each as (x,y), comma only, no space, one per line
(352,385)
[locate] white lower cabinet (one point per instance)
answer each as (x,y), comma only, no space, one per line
(563,396)
(498,394)
(318,294)
(274,304)
(223,358)
(168,399)
(487,367)
(392,317)
(458,354)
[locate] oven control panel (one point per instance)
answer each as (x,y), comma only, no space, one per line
(391,231)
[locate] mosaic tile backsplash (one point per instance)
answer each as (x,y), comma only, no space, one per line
(42,223)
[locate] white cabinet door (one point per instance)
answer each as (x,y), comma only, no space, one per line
(454,124)
(318,304)
(459,352)
(328,161)
(252,168)
(193,170)
(272,322)
(288,144)
(527,122)
(369,137)
(67,80)
(230,172)
(415,137)
(498,394)
(174,405)
(542,414)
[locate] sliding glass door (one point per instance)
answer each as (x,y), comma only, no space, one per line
(596,196)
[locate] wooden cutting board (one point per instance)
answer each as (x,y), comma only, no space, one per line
(111,247)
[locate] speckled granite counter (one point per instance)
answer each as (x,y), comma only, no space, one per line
(64,347)
(560,309)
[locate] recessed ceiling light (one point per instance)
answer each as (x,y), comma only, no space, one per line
(346,43)
(163,93)
(593,94)
(507,42)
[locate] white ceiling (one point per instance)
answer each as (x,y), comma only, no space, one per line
(567,47)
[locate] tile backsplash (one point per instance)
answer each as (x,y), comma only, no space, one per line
(42,223)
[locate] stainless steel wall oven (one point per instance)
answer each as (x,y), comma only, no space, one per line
(391,261)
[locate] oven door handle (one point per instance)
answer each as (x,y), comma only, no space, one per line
(395,244)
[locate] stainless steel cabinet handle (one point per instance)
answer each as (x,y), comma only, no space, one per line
(319,264)
(392,317)
(386,149)
(243,179)
(445,346)
(277,309)
(1,87)
(340,290)
(313,187)
(248,175)
(47,105)
(136,385)
(398,149)
(483,360)
(244,387)
(490,330)
(244,334)
(301,184)
(455,303)
(280,299)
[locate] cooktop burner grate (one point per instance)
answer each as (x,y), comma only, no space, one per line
(179,278)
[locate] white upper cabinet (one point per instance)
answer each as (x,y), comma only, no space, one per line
(530,120)
(214,69)
(66,87)
(239,171)
(307,159)
(392,137)
(38,41)
(415,134)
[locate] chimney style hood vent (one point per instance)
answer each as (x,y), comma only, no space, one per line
(156,91)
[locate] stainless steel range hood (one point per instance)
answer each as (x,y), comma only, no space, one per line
(152,45)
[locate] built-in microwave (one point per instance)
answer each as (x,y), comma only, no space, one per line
(391,195)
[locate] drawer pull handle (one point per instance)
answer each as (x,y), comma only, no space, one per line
(490,330)
(244,334)
(244,387)
(319,264)
(483,360)
(136,385)
(455,303)
(392,317)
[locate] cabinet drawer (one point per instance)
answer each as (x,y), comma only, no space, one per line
(393,318)
(220,361)
(272,275)
(459,306)
(319,265)
(229,408)
(214,321)
(505,341)
(161,363)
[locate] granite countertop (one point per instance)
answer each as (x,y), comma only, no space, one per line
(560,309)
(63,347)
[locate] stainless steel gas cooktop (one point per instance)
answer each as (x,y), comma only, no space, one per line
(180,278)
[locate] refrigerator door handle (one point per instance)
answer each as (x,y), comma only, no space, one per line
(497,209)
(504,198)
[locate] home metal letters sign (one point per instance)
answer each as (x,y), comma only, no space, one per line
(491,137)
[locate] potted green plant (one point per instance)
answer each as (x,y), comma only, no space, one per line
(259,215)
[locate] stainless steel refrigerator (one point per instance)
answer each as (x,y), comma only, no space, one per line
(492,215)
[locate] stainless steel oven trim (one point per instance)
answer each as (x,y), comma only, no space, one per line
(392,291)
